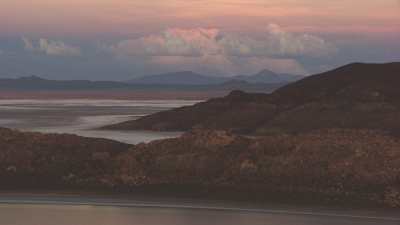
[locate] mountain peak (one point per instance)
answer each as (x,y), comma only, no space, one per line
(184,72)
(178,78)
(32,77)
(267,72)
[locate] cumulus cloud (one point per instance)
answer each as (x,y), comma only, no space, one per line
(172,42)
(28,44)
(51,47)
(275,41)
(216,51)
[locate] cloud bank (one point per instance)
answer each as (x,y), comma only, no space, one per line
(275,42)
(215,51)
(51,47)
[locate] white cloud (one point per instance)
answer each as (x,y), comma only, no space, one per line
(275,42)
(217,52)
(172,42)
(28,44)
(51,47)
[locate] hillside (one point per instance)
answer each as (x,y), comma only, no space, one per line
(325,165)
(332,165)
(353,96)
(45,161)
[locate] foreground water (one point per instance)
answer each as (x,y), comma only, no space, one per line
(87,211)
(83,117)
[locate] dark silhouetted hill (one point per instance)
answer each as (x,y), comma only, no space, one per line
(353,96)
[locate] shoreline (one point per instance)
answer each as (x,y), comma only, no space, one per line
(112,95)
(200,194)
(129,201)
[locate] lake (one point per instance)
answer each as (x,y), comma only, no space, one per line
(52,210)
(82,117)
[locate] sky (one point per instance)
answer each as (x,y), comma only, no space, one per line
(122,39)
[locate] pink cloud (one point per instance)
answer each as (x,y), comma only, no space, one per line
(275,41)
(216,51)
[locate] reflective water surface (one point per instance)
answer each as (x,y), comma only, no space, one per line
(82,117)
(164,214)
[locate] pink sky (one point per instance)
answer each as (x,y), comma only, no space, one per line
(217,37)
(80,18)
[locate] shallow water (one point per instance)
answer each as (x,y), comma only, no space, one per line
(82,117)
(81,211)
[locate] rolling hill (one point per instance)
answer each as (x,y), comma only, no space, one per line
(353,96)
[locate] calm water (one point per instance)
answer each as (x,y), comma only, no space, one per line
(82,117)
(105,212)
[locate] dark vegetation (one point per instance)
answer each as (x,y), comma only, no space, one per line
(52,160)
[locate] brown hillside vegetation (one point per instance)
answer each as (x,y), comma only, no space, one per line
(325,165)
(331,164)
(51,160)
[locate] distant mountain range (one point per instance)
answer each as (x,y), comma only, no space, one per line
(191,78)
(265,81)
(38,83)
(178,78)
(269,77)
